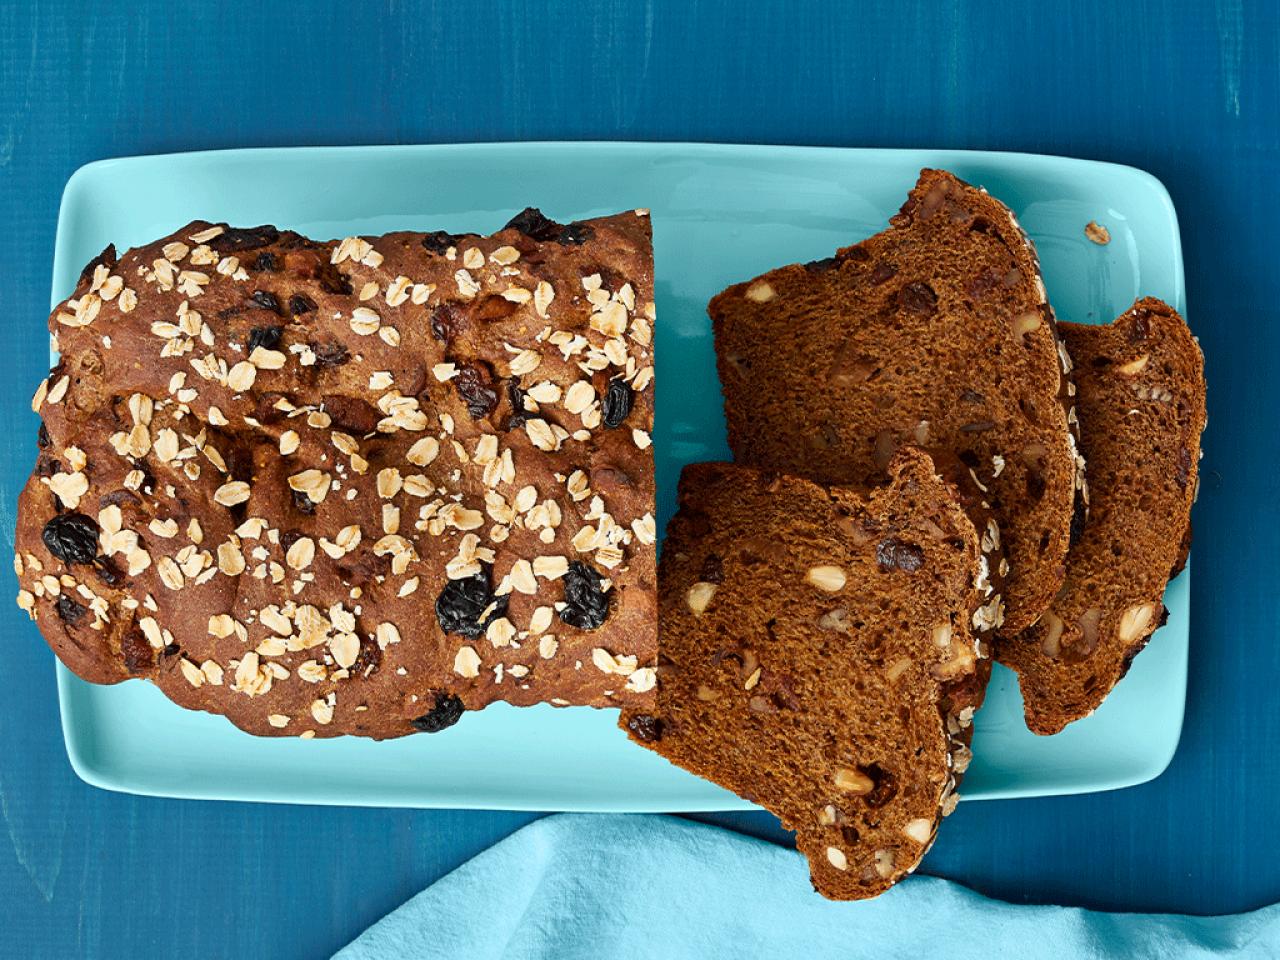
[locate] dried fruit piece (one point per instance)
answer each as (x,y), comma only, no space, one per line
(300,303)
(439,241)
(894,554)
(266,337)
(266,300)
(475,386)
(447,711)
(586,603)
(72,537)
(69,611)
(533,224)
(236,239)
(645,727)
(462,605)
(618,399)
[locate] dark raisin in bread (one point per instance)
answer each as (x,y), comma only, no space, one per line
(1142,408)
(935,332)
(353,486)
(816,658)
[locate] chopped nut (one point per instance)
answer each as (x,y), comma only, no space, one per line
(699,596)
(919,830)
(1097,233)
(1134,622)
(762,292)
(836,857)
(1133,366)
(853,781)
(829,578)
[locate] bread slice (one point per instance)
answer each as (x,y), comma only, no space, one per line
(1142,407)
(815,656)
(935,332)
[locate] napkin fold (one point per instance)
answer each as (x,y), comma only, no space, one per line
(598,887)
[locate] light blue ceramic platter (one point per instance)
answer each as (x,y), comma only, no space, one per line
(720,214)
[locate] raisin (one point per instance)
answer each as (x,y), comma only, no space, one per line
(618,399)
(447,711)
(884,785)
(849,834)
(439,241)
(973,396)
(979,426)
(300,303)
(228,313)
(825,265)
(330,354)
(235,239)
(533,224)
(266,337)
(267,262)
(918,298)
(574,234)
(475,387)
(333,280)
(882,272)
(516,397)
(136,652)
(712,569)
(108,572)
(445,320)
(369,659)
(1182,471)
(303,503)
(894,554)
(586,605)
(68,610)
(1141,328)
(645,728)
(72,538)
(42,436)
(266,300)
(463,602)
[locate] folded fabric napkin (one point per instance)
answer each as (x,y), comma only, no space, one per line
(599,887)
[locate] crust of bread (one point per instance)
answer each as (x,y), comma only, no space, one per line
(1141,404)
(290,450)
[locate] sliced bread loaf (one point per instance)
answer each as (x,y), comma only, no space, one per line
(815,656)
(935,332)
(1142,407)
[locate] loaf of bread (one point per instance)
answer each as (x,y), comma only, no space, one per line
(817,658)
(355,486)
(1141,404)
(936,332)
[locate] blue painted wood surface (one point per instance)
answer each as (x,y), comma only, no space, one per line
(1188,91)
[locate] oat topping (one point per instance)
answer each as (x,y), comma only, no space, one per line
(291,465)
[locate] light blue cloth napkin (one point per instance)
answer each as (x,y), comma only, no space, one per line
(634,887)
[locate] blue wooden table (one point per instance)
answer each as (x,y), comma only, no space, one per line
(1190,92)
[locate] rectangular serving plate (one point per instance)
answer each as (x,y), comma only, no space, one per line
(721,214)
